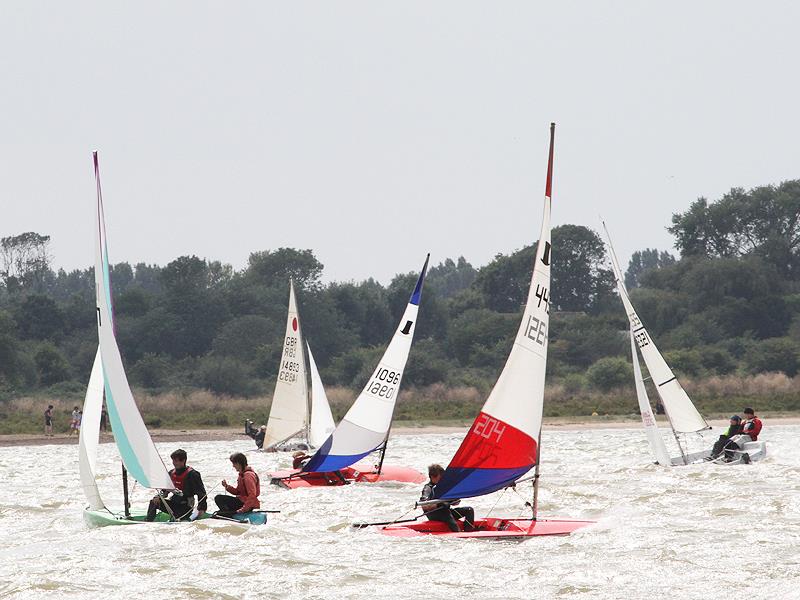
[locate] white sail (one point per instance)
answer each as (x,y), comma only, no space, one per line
(133,441)
(682,414)
(366,425)
(288,415)
(648,419)
(322,424)
(90,435)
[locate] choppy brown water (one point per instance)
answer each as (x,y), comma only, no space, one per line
(691,532)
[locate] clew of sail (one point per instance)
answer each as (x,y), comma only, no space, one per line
(366,425)
(503,442)
(133,441)
(322,424)
(683,415)
(648,419)
(288,414)
(90,435)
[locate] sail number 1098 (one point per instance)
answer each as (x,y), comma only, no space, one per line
(383,383)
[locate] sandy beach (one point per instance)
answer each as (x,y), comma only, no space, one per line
(232,434)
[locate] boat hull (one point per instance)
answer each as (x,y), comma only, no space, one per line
(751,452)
(490,528)
(105,518)
(295,478)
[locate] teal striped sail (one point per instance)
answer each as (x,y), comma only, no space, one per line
(133,441)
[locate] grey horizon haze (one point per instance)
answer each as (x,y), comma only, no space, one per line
(375,132)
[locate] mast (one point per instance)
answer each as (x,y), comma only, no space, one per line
(125,498)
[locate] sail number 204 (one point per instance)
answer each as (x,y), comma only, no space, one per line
(486,426)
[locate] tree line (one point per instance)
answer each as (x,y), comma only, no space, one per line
(729,303)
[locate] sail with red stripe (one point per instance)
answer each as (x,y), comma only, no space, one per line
(503,442)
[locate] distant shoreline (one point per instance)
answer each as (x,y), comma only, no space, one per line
(403,428)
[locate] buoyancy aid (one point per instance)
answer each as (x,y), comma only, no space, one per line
(179,479)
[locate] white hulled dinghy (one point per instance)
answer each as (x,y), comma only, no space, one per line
(139,455)
(295,423)
(503,444)
(682,415)
(365,428)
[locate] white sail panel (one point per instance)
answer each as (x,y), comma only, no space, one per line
(322,424)
(366,425)
(90,435)
(288,415)
(683,415)
(648,418)
(133,441)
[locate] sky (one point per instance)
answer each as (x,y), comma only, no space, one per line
(374,132)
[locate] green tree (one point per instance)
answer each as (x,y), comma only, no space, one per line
(643,261)
(609,373)
(773,355)
(51,364)
(275,267)
(40,318)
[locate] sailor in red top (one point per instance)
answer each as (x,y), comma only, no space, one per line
(246,491)
(752,424)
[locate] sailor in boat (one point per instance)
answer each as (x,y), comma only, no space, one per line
(751,427)
(444,512)
(735,428)
(299,459)
(245,492)
(256,434)
(188,484)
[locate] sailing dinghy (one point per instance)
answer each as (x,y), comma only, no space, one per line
(503,443)
(290,415)
(139,455)
(683,417)
(365,427)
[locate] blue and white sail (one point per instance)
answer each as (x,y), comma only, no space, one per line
(138,452)
(365,427)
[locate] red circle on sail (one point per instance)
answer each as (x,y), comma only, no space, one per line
(294,323)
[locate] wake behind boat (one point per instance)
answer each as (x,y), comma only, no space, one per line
(365,428)
(503,443)
(684,418)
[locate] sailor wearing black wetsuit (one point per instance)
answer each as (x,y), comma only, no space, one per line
(189,484)
(443,512)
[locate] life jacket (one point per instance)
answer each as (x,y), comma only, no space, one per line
(258,482)
(179,480)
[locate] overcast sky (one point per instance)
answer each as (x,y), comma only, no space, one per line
(373,132)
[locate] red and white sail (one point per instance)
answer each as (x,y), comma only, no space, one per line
(503,442)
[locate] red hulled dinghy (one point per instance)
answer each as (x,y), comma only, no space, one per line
(503,443)
(365,427)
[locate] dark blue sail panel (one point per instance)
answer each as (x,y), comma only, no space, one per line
(415,297)
(467,483)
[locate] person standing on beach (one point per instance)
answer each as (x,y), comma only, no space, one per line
(104,419)
(48,421)
(74,423)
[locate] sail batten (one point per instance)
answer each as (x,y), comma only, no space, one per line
(133,441)
(503,442)
(682,413)
(366,425)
